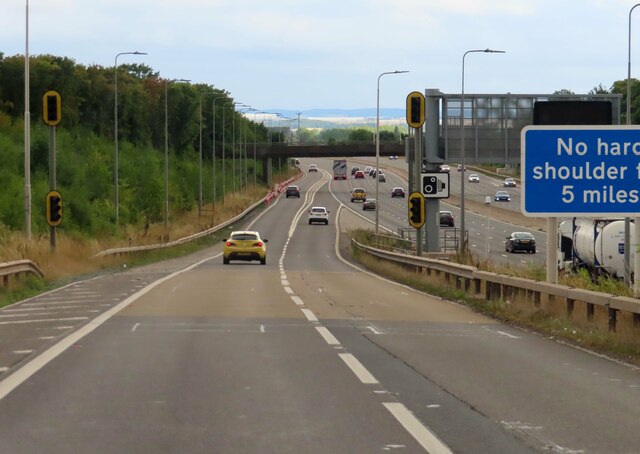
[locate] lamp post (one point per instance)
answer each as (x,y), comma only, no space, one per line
(200,161)
(166,150)
(627,220)
(233,142)
(378,142)
(115,133)
(255,163)
(27,133)
(213,153)
(462,244)
(243,147)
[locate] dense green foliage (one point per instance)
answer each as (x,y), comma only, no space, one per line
(85,143)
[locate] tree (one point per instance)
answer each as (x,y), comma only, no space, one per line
(360,135)
(599,90)
(620,87)
(563,91)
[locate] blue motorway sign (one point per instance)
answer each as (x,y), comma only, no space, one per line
(580,171)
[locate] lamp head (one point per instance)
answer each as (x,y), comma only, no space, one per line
(493,51)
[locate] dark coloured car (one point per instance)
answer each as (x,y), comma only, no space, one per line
(520,241)
(502,196)
(293,191)
(446,219)
(354,170)
(397,192)
(369,204)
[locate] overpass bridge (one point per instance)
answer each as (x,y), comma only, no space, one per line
(282,150)
(265,152)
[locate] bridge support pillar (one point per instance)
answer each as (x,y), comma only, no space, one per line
(266,171)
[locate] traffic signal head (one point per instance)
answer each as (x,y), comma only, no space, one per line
(51,108)
(54,208)
(415,109)
(416,210)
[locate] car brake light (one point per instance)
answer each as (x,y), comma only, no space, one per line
(229,243)
(259,244)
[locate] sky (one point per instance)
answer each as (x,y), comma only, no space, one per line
(328,54)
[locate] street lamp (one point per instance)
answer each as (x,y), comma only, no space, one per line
(243,146)
(378,142)
(233,142)
(166,150)
(627,220)
(115,133)
(27,133)
(462,244)
(213,154)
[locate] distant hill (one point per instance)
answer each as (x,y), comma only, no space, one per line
(340,118)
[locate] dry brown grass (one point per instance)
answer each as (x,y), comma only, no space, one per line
(73,253)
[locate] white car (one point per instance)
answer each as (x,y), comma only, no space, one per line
(444,168)
(318,214)
(474,178)
(313,168)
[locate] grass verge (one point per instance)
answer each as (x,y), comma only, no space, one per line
(624,345)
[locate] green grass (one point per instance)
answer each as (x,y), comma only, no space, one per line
(626,348)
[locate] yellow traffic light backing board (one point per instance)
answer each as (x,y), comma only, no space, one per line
(415,109)
(52,108)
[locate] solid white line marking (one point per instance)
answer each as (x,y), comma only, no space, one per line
(288,290)
(357,368)
(422,435)
(328,337)
(21,375)
(285,282)
(310,315)
(4,369)
(297,300)
(374,330)
(45,320)
(507,334)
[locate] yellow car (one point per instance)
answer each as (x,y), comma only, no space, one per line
(358,194)
(245,245)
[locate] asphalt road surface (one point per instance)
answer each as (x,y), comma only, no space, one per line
(307,354)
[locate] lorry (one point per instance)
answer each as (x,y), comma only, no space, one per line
(339,169)
(594,244)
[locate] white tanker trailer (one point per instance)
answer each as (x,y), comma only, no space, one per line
(596,244)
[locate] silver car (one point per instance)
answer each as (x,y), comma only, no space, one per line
(319,214)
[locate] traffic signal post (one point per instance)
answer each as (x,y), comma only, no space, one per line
(415,120)
(434,184)
(426,183)
(52,115)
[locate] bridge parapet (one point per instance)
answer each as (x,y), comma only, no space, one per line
(277,150)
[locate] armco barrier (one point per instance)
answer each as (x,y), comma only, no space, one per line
(493,286)
(187,239)
(17,268)
(132,249)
